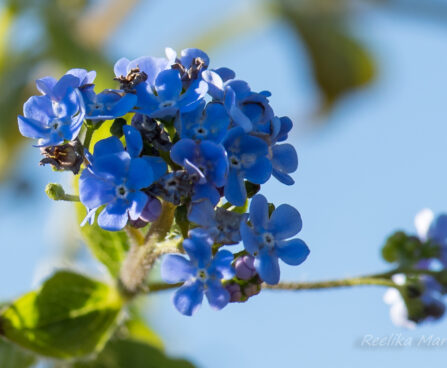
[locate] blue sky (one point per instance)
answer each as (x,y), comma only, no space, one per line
(377,161)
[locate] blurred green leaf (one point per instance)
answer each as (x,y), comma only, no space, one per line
(70,316)
(107,246)
(128,353)
(12,356)
(340,62)
(137,329)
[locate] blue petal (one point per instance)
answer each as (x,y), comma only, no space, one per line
(138,202)
(83,76)
(267,266)
(39,108)
(114,217)
(193,169)
(169,85)
(171,55)
(284,158)
(221,265)
(259,212)
(32,129)
(107,146)
(45,85)
(235,191)
(184,148)
(215,84)
(152,66)
(236,114)
(285,222)
(198,247)
(282,177)
(292,252)
(202,213)
(134,142)
(218,297)
(193,95)
(94,191)
(140,174)
(121,67)
(64,86)
(216,121)
(249,238)
(286,126)
(188,298)
(113,166)
(158,165)
(176,268)
(187,56)
(207,191)
(241,88)
(216,154)
(225,73)
(260,171)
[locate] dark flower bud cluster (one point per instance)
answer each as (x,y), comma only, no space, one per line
(185,134)
(420,296)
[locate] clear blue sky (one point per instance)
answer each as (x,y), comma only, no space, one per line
(377,161)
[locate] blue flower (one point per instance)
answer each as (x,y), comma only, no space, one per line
(57,115)
(190,64)
(201,124)
(266,238)
(143,70)
(248,159)
(222,225)
(247,109)
(165,98)
(200,274)
(206,159)
(109,104)
(115,178)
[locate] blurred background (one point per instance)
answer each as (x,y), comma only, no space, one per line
(364,82)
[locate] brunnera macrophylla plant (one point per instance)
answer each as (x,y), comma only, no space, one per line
(180,173)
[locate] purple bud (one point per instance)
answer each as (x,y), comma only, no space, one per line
(235,292)
(152,210)
(244,267)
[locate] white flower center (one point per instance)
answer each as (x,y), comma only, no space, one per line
(121,191)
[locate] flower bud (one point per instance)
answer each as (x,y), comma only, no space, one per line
(244,266)
(235,292)
(55,192)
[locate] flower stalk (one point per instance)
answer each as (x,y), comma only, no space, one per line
(143,253)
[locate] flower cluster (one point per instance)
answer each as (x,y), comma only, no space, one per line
(182,133)
(419,296)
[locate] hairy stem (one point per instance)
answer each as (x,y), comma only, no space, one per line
(143,254)
(330,284)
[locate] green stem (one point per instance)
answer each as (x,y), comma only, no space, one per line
(143,254)
(330,284)
(378,279)
(88,137)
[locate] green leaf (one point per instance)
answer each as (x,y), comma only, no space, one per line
(341,63)
(138,330)
(128,353)
(12,356)
(70,316)
(108,247)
